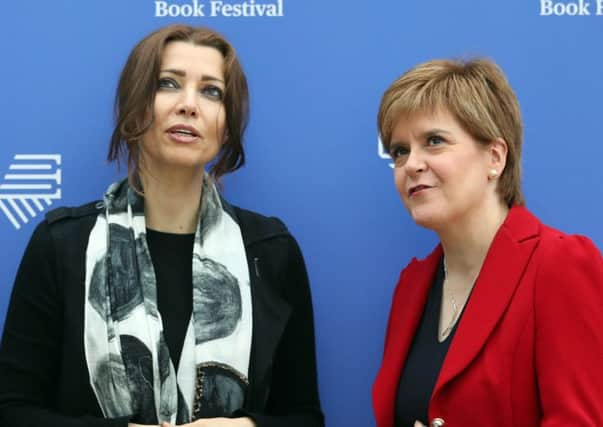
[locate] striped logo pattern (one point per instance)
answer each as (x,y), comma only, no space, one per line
(30,186)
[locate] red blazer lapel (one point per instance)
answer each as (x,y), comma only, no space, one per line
(501,272)
(407,307)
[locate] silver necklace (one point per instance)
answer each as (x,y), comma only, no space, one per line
(456,312)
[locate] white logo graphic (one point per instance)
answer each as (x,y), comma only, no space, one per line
(570,8)
(34,178)
(213,8)
(382,153)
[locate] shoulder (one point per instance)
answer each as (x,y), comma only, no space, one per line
(554,248)
(267,237)
(570,268)
(63,233)
(256,227)
(77,212)
(423,266)
(418,272)
(559,248)
(560,259)
(72,222)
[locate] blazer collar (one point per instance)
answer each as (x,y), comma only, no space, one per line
(500,275)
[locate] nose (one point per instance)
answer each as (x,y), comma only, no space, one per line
(415,163)
(188,104)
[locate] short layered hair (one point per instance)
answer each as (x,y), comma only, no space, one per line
(477,94)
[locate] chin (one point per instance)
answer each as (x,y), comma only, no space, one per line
(186,160)
(427,218)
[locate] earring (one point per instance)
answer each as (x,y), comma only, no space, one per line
(492,173)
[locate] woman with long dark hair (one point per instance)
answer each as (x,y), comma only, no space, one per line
(162,303)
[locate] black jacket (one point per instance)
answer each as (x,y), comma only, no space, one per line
(44,380)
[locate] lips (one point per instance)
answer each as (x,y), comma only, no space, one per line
(418,189)
(183,133)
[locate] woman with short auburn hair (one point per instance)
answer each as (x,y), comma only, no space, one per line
(501,323)
(162,304)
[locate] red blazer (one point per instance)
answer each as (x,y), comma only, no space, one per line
(528,350)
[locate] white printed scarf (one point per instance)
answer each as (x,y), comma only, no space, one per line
(128,360)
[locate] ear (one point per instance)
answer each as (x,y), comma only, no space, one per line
(497,156)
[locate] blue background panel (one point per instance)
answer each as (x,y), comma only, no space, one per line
(316,76)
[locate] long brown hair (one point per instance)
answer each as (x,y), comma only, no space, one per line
(138,83)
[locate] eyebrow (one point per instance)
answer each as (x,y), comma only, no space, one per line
(181,73)
(428,133)
(422,135)
(434,131)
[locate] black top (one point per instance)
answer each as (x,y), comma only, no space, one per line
(424,361)
(172,256)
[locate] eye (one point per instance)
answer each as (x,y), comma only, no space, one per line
(167,83)
(435,140)
(213,92)
(397,151)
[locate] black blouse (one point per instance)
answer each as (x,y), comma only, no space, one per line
(424,361)
(172,256)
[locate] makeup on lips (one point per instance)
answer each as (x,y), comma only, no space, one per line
(183,134)
(418,190)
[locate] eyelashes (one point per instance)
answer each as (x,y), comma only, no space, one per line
(399,152)
(166,83)
(208,90)
(213,92)
(434,140)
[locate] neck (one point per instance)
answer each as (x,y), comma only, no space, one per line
(466,242)
(171,203)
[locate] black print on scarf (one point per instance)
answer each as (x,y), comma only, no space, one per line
(111,384)
(125,290)
(127,295)
(164,373)
(138,361)
(98,294)
(147,276)
(209,217)
(216,292)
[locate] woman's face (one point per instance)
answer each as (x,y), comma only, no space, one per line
(441,172)
(188,127)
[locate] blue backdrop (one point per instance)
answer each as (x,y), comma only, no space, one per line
(316,76)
